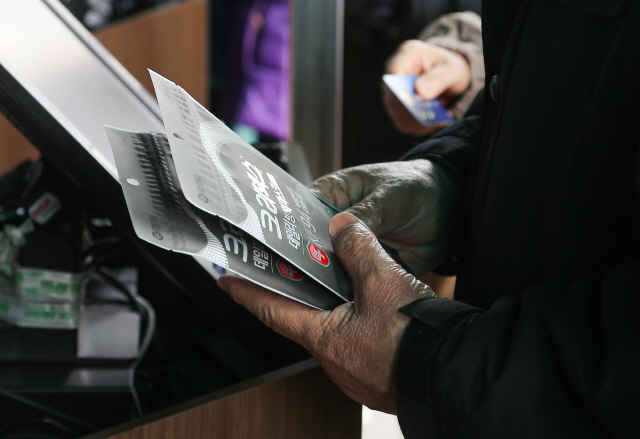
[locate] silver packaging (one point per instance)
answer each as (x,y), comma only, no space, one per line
(162,216)
(222,174)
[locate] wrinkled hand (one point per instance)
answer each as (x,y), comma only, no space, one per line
(356,343)
(410,205)
(442,74)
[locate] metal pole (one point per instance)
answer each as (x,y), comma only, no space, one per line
(317,63)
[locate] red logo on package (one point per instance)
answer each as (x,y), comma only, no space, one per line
(289,270)
(318,255)
(44,208)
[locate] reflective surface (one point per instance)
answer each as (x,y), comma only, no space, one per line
(64,73)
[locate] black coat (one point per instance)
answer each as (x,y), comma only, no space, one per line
(549,166)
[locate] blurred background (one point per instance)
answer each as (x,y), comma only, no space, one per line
(298,79)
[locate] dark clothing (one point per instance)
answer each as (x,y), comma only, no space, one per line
(550,175)
(373,31)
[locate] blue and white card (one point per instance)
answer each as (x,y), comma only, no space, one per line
(426,112)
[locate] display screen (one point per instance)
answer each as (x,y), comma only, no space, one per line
(69,84)
(72,76)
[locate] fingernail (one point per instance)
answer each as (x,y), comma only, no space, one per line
(339,222)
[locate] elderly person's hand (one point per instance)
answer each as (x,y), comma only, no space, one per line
(410,205)
(443,74)
(356,343)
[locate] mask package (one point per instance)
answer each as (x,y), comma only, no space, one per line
(202,190)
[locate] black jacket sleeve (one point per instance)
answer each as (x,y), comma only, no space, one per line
(551,362)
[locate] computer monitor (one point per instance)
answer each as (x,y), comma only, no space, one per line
(59,85)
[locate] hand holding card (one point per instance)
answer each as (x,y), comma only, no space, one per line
(426,112)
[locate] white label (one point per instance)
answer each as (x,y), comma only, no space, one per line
(42,210)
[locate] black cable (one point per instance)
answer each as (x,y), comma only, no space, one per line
(109,241)
(139,302)
(108,251)
(104,275)
(145,309)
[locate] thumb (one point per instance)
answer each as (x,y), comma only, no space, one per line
(370,211)
(361,255)
(435,82)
